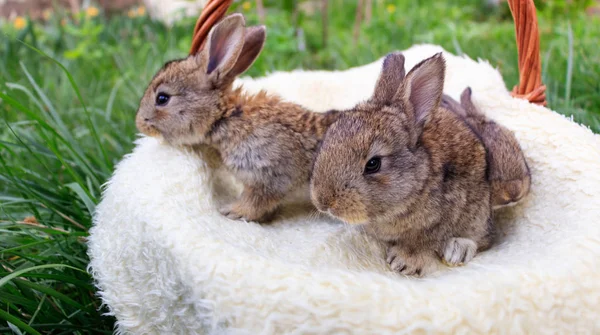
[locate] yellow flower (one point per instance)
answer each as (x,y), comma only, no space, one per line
(131,13)
(246,5)
(47,14)
(92,12)
(19,22)
(391,8)
(63,22)
(141,11)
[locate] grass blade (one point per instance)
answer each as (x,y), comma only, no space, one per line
(15,321)
(16,274)
(569,78)
(83,195)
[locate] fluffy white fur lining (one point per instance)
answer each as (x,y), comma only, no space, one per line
(166,262)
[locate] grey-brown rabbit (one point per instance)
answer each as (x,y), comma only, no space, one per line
(508,171)
(413,172)
(268,144)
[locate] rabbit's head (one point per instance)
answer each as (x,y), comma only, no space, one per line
(186,97)
(371,164)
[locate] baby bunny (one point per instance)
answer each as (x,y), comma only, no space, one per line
(413,172)
(268,144)
(508,171)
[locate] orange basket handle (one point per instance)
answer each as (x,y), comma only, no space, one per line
(528,46)
(527,34)
(213,11)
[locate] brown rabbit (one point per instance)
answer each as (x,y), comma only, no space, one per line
(508,171)
(268,144)
(413,172)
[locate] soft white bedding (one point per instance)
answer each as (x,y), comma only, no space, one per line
(166,262)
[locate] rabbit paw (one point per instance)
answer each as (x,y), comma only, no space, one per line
(408,264)
(459,251)
(230,212)
(237,211)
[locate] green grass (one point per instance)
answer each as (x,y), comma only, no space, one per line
(65,123)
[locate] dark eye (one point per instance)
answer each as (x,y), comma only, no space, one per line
(373,165)
(162,99)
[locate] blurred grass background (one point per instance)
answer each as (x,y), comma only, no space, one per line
(68,118)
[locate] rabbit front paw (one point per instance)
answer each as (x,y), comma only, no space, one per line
(230,212)
(241,211)
(409,264)
(459,251)
(235,211)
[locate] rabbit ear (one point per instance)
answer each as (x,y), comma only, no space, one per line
(225,43)
(390,78)
(465,96)
(467,103)
(452,105)
(254,41)
(423,87)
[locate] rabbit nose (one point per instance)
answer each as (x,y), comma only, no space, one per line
(326,204)
(148,120)
(324,198)
(147,117)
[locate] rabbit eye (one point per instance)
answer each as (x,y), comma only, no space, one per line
(373,165)
(162,99)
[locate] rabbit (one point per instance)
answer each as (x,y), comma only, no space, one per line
(412,173)
(508,171)
(268,144)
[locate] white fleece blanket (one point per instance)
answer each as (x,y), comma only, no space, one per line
(166,262)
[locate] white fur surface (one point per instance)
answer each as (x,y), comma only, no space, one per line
(166,262)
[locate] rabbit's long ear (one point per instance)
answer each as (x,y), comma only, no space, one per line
(254,40)
(467,102)
(224,46)
(390,78)
(423,87)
